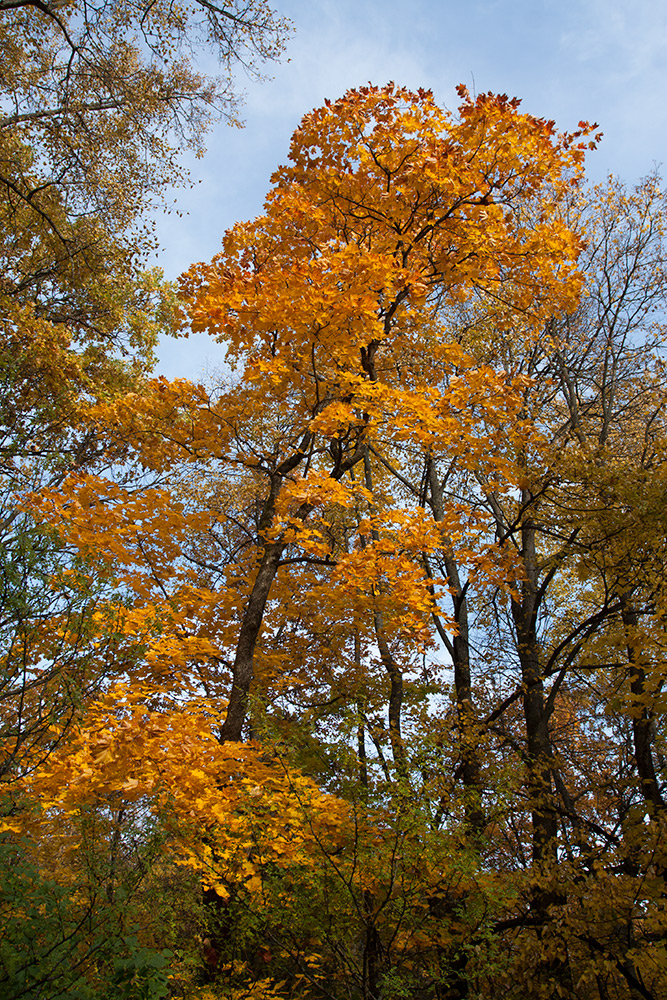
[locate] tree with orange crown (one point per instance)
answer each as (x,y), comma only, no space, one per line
(332,306)
(436,433)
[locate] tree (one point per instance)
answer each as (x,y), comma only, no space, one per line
(286,542)
(559,636)
(99,103)
(359,242)
(388,598)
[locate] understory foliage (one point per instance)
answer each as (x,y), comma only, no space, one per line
(343,675)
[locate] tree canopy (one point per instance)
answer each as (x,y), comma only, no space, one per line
(362,641)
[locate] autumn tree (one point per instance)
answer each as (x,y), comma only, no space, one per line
(368,271)
(555,644)
(380,612)
(278,556)
(99,103)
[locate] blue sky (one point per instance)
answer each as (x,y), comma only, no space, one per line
(600,60)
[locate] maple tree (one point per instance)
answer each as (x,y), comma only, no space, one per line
(380,611)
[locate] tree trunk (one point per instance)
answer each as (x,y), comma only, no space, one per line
(470,764)
(539,753)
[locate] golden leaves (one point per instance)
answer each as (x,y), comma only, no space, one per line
(222,803)
(387,200)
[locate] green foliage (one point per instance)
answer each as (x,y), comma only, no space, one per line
(68,941)
(141,974)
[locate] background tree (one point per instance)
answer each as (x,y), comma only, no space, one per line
(99,103)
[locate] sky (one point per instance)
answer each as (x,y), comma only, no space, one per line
(598,60)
